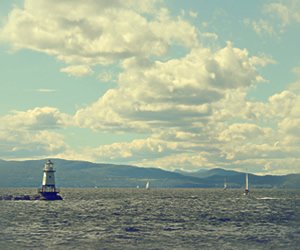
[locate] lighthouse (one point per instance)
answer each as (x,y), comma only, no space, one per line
(48,190)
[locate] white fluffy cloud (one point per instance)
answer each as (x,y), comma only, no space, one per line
(196,109)
(193,109)
(35,119)
(261,26)
(136,150)
(32,133)
(242,131)
(95,32)
(278,16)
(77,70)
(291,126)
(30,144)
(156,94)
(284,104)
(219,140)
(288,11)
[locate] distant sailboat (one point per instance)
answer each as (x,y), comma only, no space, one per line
(147,185)
(247,185)
(225,185)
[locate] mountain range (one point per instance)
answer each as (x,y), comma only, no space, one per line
(87,174)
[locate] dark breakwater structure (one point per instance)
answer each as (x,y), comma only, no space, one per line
(48,191)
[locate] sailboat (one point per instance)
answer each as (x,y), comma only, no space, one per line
(225,185)
(247,185)
(147,185)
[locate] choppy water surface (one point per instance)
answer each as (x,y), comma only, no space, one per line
(153,219)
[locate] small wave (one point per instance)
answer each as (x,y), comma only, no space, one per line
(268,198)
(131,229)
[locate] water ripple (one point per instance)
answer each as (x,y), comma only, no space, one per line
(153,219)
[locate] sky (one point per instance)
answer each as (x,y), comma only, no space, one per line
(170,84)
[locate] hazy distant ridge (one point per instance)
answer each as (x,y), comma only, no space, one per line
(87,174)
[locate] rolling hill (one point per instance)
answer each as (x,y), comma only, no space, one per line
(88,174)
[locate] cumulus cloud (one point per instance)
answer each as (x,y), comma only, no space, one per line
(105,77)
(261,26)
(272,135)
(152,151)
(18,143)
(287,11)
(26,144)
(32,133)
(137,150)
(198,114)
(77,70)
(154,94)
(291,126)
(188,129)
(278,16)
(35,119)
(242,131)
(95,32)
(283,104)
(193,109)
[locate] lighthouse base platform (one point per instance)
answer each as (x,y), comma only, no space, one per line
(50,196)
(35,197)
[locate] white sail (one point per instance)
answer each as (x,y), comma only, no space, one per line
(247,185)
(225,184)
(147,185)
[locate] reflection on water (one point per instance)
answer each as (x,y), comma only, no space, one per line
(153,219)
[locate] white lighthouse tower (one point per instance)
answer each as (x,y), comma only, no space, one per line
(48,190)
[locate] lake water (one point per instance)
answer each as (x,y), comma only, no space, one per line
(153,219)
